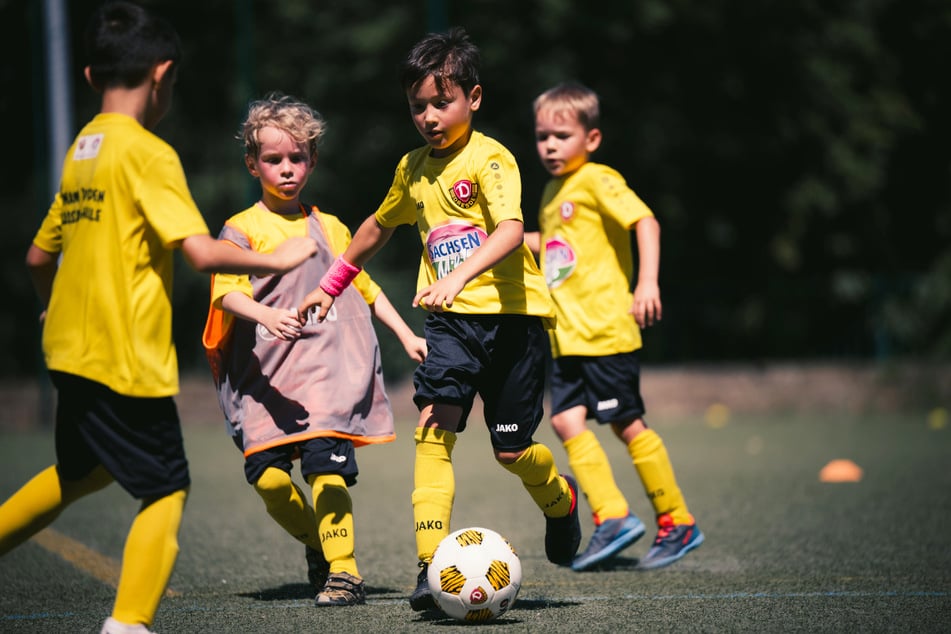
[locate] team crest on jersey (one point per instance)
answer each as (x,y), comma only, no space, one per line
(451,244)
(87,147)
(567,210)
(560,262)
(464,193)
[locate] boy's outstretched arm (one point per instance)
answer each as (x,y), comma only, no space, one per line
(507,237)
(367,242)
(280,322)
(647,307)
(369,239)
(208,255)
(384,310)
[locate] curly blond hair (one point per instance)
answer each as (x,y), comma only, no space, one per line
(277,110)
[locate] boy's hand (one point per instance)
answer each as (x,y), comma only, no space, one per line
(292,252)
(647,308)
(282,323)
(416,348)
(316,301)
(439,296)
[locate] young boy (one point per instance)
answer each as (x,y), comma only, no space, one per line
(487,299)
(289,392)
(586,214)
(122,208)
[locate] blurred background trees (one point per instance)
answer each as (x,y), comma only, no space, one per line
(797,154)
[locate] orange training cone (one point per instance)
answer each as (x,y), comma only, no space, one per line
(840,471)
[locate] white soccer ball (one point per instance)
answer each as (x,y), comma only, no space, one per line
(475,575)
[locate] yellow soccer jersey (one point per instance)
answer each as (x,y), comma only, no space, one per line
(585,222)
(456,202)
(265,230)
(123,205)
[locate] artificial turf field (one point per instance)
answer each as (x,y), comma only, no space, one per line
(784,552)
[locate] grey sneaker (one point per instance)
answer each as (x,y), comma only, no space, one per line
(609,538)
(422,598)
(342,588)
(673,541)
(318,568)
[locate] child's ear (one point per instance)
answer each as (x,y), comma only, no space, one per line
(593,140)
(249,163)
(161,71)
(87,72)
(475,97)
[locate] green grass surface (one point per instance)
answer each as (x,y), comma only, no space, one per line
(783,551)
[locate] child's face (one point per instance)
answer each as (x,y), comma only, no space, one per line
(562,141)
(443,118)
(283,166)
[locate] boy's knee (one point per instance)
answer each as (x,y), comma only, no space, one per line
(628,430)
(273,482)
(508,457)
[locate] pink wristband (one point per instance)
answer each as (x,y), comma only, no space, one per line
(338,277)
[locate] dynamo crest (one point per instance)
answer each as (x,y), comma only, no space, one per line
(464,193)
(567,210)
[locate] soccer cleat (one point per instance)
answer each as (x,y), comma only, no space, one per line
(422,597)
(318,568)
(342,588)
(609,538)
(563,534)
(673,541)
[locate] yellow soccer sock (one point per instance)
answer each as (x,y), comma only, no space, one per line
(590,466)
(536,468)
(434,488)
(333,509)
(148,558)
(40,501)
(657,475)
(286,504)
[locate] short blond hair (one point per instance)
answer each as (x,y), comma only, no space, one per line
(277,110)
(572,97)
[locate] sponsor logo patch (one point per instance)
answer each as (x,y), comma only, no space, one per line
(560,262)
(449,245)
